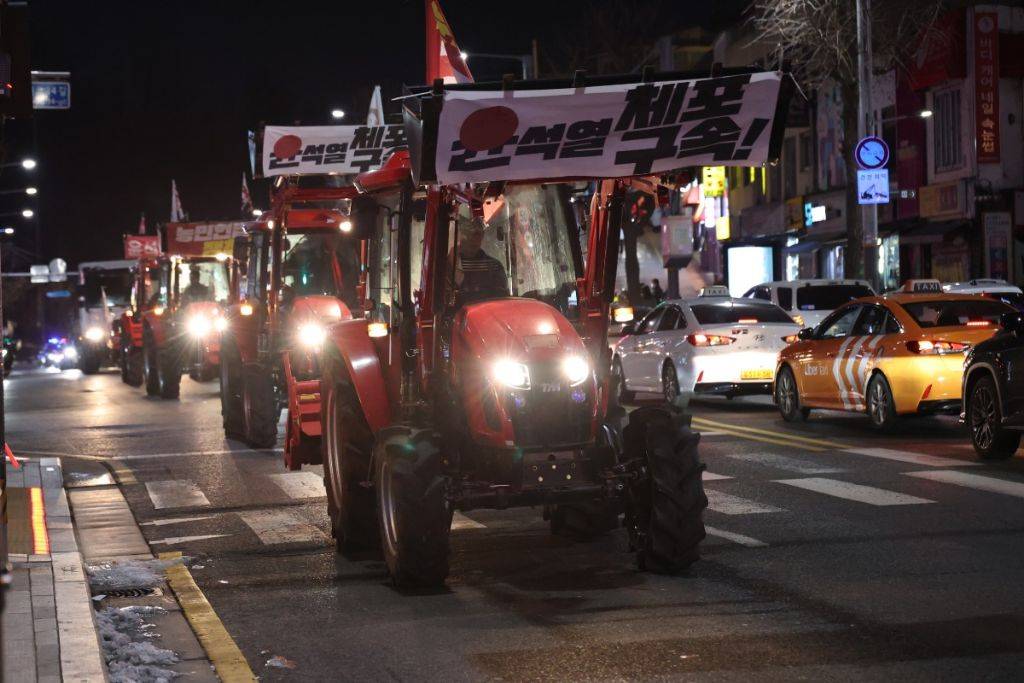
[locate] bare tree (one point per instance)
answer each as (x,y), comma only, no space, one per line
(819,40)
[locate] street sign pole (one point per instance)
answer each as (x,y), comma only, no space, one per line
(865,127)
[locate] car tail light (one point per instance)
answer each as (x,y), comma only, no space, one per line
(709,340)
(977,323)
(926,347)
(791,338)
(747,321)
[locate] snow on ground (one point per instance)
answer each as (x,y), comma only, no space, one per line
(130,656)
(128,574)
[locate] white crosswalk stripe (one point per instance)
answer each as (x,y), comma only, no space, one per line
(783,462)
(461,521)
(972,481)
(274,527)
(735,538)
(911,457)
(174,540)
(176,493)
(855,492)
(176,520)
(300,485)
(711,476)
(728,504)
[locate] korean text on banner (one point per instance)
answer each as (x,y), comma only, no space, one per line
(986,75)
(608,131)
(314,150)
(203,239)
(141,246)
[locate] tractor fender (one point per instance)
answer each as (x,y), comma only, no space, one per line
(351,341)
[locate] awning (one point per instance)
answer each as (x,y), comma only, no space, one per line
(931,232)
(812,242)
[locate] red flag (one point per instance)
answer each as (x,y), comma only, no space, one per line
(444,58)
(142,224)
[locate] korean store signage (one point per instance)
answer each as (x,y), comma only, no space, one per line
(608,131)
(986,79)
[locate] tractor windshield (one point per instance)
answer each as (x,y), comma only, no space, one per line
(321,262)
(526,244)
(203,281)
(112,285)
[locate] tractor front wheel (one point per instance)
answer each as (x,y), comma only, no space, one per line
(259,407)
(231,392)
(665,503)
(346,446)
(412,507)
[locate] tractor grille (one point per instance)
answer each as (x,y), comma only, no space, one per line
(550,413)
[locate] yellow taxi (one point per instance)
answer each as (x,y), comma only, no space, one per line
(898,354)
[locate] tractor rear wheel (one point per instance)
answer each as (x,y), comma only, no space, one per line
(150,371)
(259,406)
(412,507)
(169,371)
(231,392)
(90,362)
(665,504)
(131,363)
(346,446)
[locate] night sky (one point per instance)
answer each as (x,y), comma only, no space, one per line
(167,90)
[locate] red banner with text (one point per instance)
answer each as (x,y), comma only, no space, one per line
(141,246)
(986,80)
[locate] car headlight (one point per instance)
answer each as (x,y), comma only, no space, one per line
(199,326)
(512,374)
(70,352)
(311,335)
(575,369)
(95,333)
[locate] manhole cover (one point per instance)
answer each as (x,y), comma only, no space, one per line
(133,592)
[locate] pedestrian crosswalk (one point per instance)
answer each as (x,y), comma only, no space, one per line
(730,495)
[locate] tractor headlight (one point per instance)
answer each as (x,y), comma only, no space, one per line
(70,353)
(95,333)
(575,369)
(199,326)
(511,374)
(311,335)
(220,324)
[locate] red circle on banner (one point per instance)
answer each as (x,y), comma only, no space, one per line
(488,128)
(287,147)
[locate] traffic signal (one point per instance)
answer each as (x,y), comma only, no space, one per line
(15,69)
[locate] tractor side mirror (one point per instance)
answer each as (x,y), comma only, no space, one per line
(805,334)
(1012,322)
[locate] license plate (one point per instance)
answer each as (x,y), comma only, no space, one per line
(756,374)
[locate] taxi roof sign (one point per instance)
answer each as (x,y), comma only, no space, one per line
(922,287)
(715,290)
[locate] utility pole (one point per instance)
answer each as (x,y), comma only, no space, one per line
(865,127)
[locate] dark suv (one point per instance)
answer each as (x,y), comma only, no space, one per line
(993,391)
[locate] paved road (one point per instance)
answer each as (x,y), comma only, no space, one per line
(834,552)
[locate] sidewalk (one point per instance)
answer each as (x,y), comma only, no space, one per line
(48,626)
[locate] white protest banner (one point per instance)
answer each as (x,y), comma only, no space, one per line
(608,131)
(203,239)
(315,150)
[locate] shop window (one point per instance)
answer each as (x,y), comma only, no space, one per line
(946,130)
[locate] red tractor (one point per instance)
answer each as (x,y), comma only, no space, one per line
(176,309)
(301,273)
(479,378)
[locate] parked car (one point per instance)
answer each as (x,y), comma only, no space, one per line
(993,289)
(707,345)
(809,301)
(993,391)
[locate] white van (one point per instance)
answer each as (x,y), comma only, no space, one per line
(992,288)
(809,301)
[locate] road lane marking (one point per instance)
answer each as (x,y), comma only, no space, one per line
(461,521)
(123,473)
(782,462)
(300,485)
(711,476)
(274,527)
(914,458)
(734,505)
(176,520)
(769,436)
(972,481)
(854,492)
(176,493)
(174,540)
(735,538)
(222,650)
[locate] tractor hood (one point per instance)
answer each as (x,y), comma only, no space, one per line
(524,330)
(319,308)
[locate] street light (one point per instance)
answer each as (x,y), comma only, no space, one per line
(28,213)
(925,113)
(30,191)
(337,114)
(7,231)
(257,213)
(28,164)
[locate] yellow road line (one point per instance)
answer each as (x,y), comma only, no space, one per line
(123,473)
(220,647)
(799,440)
(777,442)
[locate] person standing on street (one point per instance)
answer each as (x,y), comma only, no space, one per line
(657,291)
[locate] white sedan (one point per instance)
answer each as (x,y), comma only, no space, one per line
(707,345)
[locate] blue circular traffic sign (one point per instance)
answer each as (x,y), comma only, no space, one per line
(871,153)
